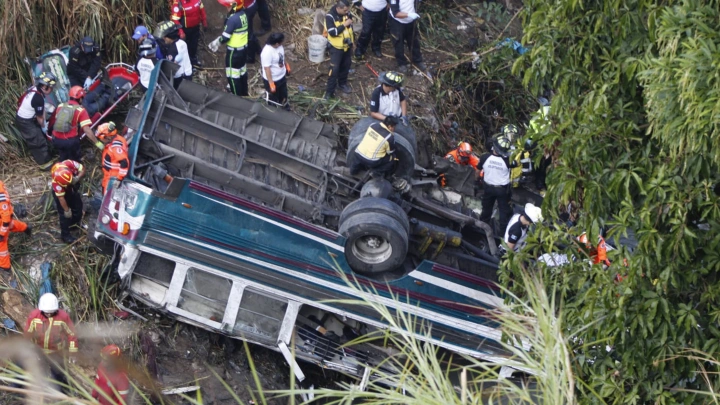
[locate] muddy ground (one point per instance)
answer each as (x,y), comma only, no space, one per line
(179,355)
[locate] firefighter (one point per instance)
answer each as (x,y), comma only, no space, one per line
(338,24)
(68,202)
(516,230)
(388,98)
(189,14)
(52,330)
(65,122)
(376,149)
(598,253)
(112,386)
(463,155)
(84,63)
(115,161)
(30,118)
(496,177)
(235,36)
(7,225)
(522,160)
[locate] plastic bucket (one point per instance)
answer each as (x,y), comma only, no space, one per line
(316,48)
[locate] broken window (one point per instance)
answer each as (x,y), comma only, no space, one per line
(260,314)
(155,268)
(205,294)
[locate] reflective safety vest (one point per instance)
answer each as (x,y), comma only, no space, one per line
(377,143)
(339,36)
(6,210)
(51,334)
(113,383)
(115,162)
(235,35)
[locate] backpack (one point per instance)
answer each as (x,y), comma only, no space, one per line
(64,118)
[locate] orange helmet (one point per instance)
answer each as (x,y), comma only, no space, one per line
(76,92)
(110,351)
(62,176)
(464,149)
(106,131)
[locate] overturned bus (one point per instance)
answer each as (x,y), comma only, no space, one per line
(237,218)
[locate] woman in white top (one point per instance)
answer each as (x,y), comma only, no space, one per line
(275,69)
(176,50)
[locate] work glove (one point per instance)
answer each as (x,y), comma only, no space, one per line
(215,45)
(414,16)
(100,145)
(67,214)
(88,83)
(287,68)
(273,89)
(182,34)
(405,121)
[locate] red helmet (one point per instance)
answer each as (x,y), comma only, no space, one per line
(110,351)
(234,4)
(106,131)
(76,92)
(464,149)
(62,176)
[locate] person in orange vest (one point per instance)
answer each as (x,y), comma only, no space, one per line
(7,225)
(599,253)
(463,155)
(189,14)
(68,202)
(112,386)
(115,161)
(52,330)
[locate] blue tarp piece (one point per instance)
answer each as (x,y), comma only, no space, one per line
(511,43)
(9,323)
(45,284)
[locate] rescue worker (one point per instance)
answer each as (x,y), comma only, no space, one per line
(463,155)
(112,386)
(65,122)
(376,150)
(403,30)
(51,329)
(146,40)
(251,8)
(388,99)
(264,14)
(597,253)
(189,15)
(8,224)
(374,19)
(539,124)
(516,230)
(522,159)
(235,38)
(84,63)
(338,24)
(175,50)
(68,202)
(30,118)
(275,69)
(146,64)
(496,177)
(115,161)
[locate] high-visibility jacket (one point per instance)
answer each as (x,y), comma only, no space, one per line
(235,34)
(114,383)
(188,13)
(7,225)
(80,119)
(52,334)
(599,253)
(472,160)
(339,36)
(115,161)
(377,143)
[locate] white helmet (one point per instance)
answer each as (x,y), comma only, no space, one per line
(48,303)
(533,213)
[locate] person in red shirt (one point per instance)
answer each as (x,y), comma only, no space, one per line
(598,253)
(115,161)
(112,386)
(52,330)
(65,122)
(189,14)
(68,202)
(7,225)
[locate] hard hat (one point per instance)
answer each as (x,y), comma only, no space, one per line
(48,303)
(166,28)
(62,176)
(501,145)
(147,47)
(46,78)
(583,238)
(533,213)
(110,351)
(76,92)
(509,131)
(392,79)
(464,149)
(87,44)
(233,4)
(106,130)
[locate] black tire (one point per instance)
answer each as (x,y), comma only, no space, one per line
(376,243)
(409,134)
(375,205)
(405,155)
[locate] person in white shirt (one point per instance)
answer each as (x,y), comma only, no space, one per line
(275,69)
(175,50)
(374,19)
(146,63)
(403,29)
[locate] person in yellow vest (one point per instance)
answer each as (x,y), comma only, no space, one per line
(235,37)
(338,24)
(376,150)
